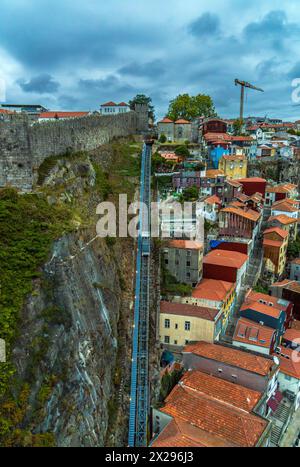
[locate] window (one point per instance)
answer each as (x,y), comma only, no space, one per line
(188,263)
(176,326)
(175,342)
(167,339)
(186,342)
(287,377)
(166,261)
(167,323)
(187,326)
(220,370)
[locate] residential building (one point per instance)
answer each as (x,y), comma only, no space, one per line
(181,323)
(182,130)
(280,192)
(58,115)
(253,185)
(112,108)
(214,125)
(228,266)
(289,375)
(278,303)
(239,222)
(213,293)
(31,109)
(232,189)
(185,179)
(266,314)
(215,412)
(275,245)
(211,207)
(212,182)
(287,206)
(295,270)
(233,166)
(166,127)
(244,368)
(184,259)
(291,338)
(254,337)
(288,290)
(287,223)
(265,150)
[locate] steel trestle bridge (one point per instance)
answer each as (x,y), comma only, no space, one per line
(139,390)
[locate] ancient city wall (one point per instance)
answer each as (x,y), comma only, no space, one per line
(24,144)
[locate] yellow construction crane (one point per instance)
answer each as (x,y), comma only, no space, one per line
(244,85)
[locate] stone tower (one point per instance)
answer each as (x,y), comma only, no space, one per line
(142,118)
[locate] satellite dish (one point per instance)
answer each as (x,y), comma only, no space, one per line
(276,360)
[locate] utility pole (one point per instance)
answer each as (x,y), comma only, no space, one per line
(244,85)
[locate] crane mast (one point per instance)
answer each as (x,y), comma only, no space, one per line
(244,85)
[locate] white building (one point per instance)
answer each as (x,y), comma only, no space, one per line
(289,374)
(110,108)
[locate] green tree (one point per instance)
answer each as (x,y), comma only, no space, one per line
(190,193)
(182,151)
(189,107)
(237,126)
(142,99)
(162,138)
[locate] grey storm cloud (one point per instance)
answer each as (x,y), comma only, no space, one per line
(42,84)
(206,25)
(148,70)
(113,50)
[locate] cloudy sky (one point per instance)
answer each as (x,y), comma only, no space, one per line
(74,54)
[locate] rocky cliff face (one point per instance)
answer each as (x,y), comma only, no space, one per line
(72,351)
(69,342)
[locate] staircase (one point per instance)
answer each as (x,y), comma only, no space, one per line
(280,421)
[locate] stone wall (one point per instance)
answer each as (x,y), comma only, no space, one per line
(25,144)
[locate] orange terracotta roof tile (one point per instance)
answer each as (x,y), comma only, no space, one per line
(251,333)
(283,188)
(109,104)
(232,424)
(214,199)
(214,290)
(247,214)
(296,261)
(290,362)
(278,303)
(282,233)
(252,179)
(231,356)
(283,219)
(221,390)
(212,173)
(182,121)
(261,308)
(296,325)
(291,335)
(225,258)
(179,433)
(182,309)
(166,120)
(185,244)
(62,114)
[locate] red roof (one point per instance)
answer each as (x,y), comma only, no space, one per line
(251,333)
(282,233)
(109,104)
(246,213)
(185,244)
(214,290)
(283,219)
(290,362)
(214,199)
(231,356)
(261,308)
(292,335)
(225,258)
(183,309)
(219,414)
(252,179)
(182,121)
(278,303)
(5,111)
(123,104)
(62,114)
(166,120)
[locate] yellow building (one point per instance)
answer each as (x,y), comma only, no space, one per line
(275,249)
(234,166)
(183,323)
(213,293)
(287,223)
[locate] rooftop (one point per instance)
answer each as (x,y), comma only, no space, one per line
(246,213)
(214,199)
(211,289)
(60,114)
(278,303)
(282,233)
(185,244)
(212,173)
(283,188)
(283,219)
(225,258)
(251,333)
(292,335)
(268,310)
(182,309)
(215,415)
(252,179)
(290,362)
(296,325)
(230,356)
(166,120)
(182,121)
